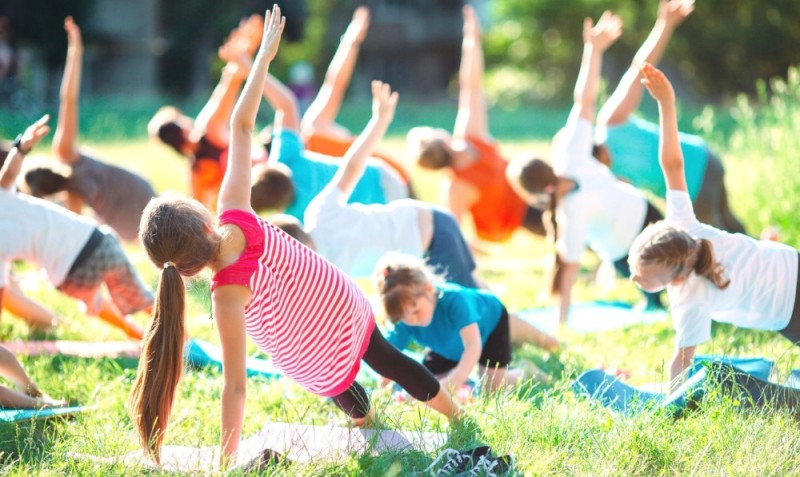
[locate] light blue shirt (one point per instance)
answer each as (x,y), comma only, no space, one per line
(456,308)
(312,172)
(633,146)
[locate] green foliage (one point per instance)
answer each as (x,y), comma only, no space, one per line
(764,148)
(721,49)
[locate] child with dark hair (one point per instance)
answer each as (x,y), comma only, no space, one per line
(590,206)
(708,274)
(78,256)
(116,195)
(312,320)
(204,139)
(461,327)
(478,183)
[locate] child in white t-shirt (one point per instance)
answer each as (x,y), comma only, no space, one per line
(708,274)
(591,206)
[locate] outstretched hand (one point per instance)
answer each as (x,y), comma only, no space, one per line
(384,101)
(657,84)
(674,12)
(244,40)
(603,34)
(73,33)
(357,29)
(472,27)
(34,133)
(273,28)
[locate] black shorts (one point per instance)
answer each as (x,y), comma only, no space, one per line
(496,351)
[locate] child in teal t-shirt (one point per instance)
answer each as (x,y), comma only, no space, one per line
(461,326)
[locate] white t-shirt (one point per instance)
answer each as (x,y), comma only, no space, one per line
(763,277)
(40,232)
(355,236)
(602,212)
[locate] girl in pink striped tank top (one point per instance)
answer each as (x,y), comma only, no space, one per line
(314,322)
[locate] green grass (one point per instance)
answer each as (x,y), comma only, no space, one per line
(547,429)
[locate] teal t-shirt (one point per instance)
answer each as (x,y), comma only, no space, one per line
(633,146)
(456,308)
(310,174)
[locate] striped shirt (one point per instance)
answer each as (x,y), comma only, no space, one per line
(313,321)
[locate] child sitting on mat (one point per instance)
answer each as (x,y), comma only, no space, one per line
(306,314)
(709,274)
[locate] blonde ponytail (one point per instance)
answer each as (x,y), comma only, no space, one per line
(161,364)
(705,265)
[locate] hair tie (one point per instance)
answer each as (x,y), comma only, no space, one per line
(387,271)
(168,264)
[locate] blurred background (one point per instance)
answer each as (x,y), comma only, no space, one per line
(144,53)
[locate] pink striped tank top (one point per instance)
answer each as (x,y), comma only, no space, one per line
(313,321)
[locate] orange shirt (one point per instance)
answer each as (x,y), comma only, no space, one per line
(338,146)
(499,210)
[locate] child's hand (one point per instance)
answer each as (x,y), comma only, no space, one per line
(384,101)
(273,28)
(34,133)
(674,12)
(472,28)
(604,33)
(657,83)
(357,29)
(73,33)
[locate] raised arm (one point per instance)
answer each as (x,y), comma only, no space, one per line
(326,105)
(669,155)
(65,139)
(472,118)
(628,95)
(212,120)
(284,102)
(384,102)
(30,138)
(596,40)
(235,189)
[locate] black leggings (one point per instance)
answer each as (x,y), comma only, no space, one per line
(390,363)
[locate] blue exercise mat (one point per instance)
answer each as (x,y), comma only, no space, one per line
(609,391)
(20,415)
(758,367)
(202,354)
(592,317)
(722,372)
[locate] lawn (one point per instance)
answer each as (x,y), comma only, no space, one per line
(545,428)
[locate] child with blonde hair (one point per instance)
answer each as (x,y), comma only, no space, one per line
(312,320)
(709,274)
(461,327)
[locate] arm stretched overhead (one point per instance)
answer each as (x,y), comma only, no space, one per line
(65,139)
(669,155)
(472,117)
(628,95)
(384,102)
